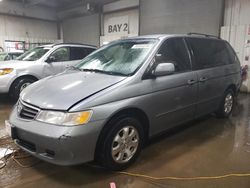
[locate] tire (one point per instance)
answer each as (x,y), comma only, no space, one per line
(227,104)
(119,151)
(18,85)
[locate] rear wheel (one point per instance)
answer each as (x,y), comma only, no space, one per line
(227,104)
(18,86)
(122,143)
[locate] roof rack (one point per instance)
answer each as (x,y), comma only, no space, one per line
(75,44)
(205,35)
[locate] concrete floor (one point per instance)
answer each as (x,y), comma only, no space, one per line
(206,147)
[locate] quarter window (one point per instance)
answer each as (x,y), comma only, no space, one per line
(89,50)
(77,53)
(209,52)
(175,51)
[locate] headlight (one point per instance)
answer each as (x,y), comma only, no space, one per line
(5,71)
(65,119)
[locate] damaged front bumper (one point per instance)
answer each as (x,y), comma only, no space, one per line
(5,82)
(56,144)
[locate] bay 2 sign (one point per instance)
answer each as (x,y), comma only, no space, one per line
(117,26)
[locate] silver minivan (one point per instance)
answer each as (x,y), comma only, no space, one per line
(39,63)
(118,97)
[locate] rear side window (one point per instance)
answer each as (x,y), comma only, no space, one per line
(175,51)
(78,53)
(89,50)
(210,53)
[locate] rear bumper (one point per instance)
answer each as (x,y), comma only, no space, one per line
(56,144)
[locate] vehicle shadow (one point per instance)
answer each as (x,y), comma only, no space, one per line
(159,151)
(5,100)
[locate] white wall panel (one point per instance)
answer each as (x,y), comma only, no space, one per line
(118,18)
(237,12)
(133,19)
(239,38)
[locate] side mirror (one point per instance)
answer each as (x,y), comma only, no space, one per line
(51,59)
(163,69)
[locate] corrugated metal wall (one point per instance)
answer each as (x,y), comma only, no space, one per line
(82,29)
(181,16)
(26,29)
(30,28)
(155,16)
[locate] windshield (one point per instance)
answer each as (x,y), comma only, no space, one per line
(119,58)
(2,56)
(34,54)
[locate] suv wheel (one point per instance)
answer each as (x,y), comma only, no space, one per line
(227,104)
(18,86)
(122,143)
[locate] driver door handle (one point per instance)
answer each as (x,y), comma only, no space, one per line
(191,82)
(203,79)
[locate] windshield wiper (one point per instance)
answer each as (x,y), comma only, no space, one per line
(74,68)
(104,72)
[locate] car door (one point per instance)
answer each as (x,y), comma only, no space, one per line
(210,57)
(174,96)
(55,63)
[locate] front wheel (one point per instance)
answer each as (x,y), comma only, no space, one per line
(18,86)
(122,143)
(227,104)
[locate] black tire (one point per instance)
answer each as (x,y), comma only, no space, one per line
(107,143)
(18,85)
(222,112)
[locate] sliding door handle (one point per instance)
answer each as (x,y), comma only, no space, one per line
(203,79)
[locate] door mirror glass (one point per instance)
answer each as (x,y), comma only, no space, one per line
(51,59)
(163,69)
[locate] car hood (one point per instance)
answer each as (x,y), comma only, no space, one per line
(61,92)
(14,64)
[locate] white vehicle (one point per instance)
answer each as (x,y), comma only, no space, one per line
(39,63)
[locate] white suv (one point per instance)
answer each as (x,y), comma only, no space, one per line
(38,63)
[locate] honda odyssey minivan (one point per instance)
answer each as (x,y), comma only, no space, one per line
(123,94)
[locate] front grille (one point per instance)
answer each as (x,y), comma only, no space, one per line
(27,111)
